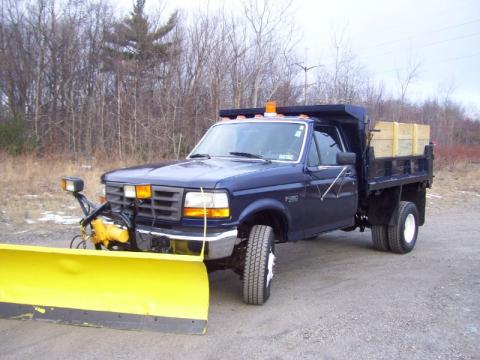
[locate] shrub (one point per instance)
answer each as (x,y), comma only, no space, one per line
(14,138)
(449,156)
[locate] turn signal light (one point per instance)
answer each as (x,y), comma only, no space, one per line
(71,184)
(143,191)
(211,213)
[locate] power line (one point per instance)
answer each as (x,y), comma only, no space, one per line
(453,59)
(437,14)
(421,34)
(423,46)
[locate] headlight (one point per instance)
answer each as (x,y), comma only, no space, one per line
(71,184)
(216,204)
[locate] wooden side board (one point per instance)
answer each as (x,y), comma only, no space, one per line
(399,139)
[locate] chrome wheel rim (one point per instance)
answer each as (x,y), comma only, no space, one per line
(409,229)
(270,265)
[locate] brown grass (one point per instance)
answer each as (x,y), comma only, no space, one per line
(30,185)
(451,156)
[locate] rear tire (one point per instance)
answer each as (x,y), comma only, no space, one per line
(403,236)
(259,263)
(380,238)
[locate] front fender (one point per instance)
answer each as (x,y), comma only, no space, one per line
(265,204)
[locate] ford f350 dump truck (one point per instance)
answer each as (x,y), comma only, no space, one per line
(258,178)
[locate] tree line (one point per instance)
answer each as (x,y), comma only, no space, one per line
(77,78)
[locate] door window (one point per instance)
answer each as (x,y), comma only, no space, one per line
(329,145)
(313,158)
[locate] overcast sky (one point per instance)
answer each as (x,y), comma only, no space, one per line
(443,35)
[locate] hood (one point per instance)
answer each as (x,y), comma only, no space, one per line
(189,173)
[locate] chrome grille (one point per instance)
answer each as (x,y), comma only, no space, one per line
(165,204)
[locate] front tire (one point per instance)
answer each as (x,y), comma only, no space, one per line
(403,235)
(259,264)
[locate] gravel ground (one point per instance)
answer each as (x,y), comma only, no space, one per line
(332,298)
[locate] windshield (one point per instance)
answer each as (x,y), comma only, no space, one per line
(269,140)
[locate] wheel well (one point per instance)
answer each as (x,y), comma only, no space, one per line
(272,218)
(383,205)
(416,193)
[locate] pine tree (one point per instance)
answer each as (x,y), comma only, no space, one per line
(135,41)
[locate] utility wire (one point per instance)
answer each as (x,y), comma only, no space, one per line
(421,34)
(422,46)
(453,59)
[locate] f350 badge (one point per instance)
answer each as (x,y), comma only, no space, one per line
(291,199)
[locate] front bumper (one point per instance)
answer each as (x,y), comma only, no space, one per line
(218,244)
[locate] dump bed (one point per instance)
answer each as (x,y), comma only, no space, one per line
(397,154)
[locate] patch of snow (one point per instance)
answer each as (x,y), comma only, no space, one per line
(20,232)
(86,166)
(434,196)
(58,218)
(30,221)
(468,193)
(30,196)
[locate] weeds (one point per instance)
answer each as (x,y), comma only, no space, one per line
(448,157)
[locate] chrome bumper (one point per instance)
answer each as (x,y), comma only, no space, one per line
(218,245)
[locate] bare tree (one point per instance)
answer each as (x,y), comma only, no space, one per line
(405,79)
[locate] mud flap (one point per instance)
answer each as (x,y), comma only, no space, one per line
(122,290)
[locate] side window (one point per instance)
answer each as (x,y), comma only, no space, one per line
(329,145)
(313,158)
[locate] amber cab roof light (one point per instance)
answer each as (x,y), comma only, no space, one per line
(270,109)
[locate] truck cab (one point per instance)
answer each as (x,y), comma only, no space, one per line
(259,178)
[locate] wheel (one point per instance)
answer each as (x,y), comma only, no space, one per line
(403,236)
(380,237)
(259,264)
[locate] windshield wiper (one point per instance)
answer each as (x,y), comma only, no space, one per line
(248,155)
(200,156)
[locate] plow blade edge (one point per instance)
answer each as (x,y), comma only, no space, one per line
(122,290)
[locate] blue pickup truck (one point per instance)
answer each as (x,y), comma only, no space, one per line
(257,179)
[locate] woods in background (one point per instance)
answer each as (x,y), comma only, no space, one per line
(75,78)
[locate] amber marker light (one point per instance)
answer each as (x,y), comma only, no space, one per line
(270,108)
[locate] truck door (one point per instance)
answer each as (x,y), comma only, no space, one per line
(328,209)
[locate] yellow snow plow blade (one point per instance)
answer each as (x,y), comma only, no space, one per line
(123,290)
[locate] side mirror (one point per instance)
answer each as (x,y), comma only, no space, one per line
(72,184)
(346,158)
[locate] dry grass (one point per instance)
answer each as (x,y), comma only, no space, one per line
(29,185)
(455,186)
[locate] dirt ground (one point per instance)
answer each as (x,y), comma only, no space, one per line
(332,298)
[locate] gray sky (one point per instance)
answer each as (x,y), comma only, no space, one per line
(444,35)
